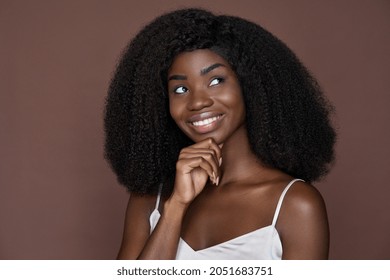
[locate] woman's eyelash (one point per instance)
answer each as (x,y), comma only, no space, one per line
(213,82)
(180,90)
(216,81)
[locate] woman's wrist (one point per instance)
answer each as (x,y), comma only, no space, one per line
(175,208)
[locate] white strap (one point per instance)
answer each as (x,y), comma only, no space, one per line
(158,197)
(281,200)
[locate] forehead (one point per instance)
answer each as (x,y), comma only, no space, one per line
(196,61)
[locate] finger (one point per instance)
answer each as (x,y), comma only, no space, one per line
(213,145)
(190,152)
(189,164)
(200,161)
(207,154)
(210,144)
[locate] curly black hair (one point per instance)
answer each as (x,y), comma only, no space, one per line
(288,117)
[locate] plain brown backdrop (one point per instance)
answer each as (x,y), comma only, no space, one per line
(58,197)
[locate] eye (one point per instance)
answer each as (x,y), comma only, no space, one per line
(216,81)
(180,90)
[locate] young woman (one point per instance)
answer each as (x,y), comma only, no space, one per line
(217,130)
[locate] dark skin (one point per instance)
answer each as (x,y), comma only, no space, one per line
(222,190)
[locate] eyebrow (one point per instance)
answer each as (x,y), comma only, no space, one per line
(203,72)
(177,77)
(210,68)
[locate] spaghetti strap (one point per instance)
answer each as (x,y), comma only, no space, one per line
(158,197)
(276,215)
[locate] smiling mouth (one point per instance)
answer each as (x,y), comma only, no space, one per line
(206,125)
(206,121)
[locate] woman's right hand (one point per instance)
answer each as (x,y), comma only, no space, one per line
(196,164)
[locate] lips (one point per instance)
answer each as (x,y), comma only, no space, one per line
(205,122)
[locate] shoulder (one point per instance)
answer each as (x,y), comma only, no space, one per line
(141,203)
(302,203)
(137,226)
(303,224)
(303,197)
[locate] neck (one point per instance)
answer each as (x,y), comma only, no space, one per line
(239,163)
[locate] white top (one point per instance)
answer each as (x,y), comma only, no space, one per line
(261,244)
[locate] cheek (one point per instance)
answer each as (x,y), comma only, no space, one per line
(174,110)
(234,98)
(238,97)
(237,104)
(171,107)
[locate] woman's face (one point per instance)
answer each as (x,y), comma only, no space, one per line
(205,98)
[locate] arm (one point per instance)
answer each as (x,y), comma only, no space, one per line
(303,224)
(137,241)
(136,229)
(196,164)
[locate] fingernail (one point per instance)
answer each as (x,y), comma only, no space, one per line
(214,177)
(220,161)
(217,180)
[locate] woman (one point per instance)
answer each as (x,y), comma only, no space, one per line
(217,130)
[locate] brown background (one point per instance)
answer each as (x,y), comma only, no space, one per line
(58,197)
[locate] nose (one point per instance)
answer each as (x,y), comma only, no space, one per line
(199,99)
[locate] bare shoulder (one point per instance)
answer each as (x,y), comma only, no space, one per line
(139,209)
(137,227)
(302,203)
(141,203)
(303,198)
(303,223)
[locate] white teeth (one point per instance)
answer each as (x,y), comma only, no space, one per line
(206,121)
